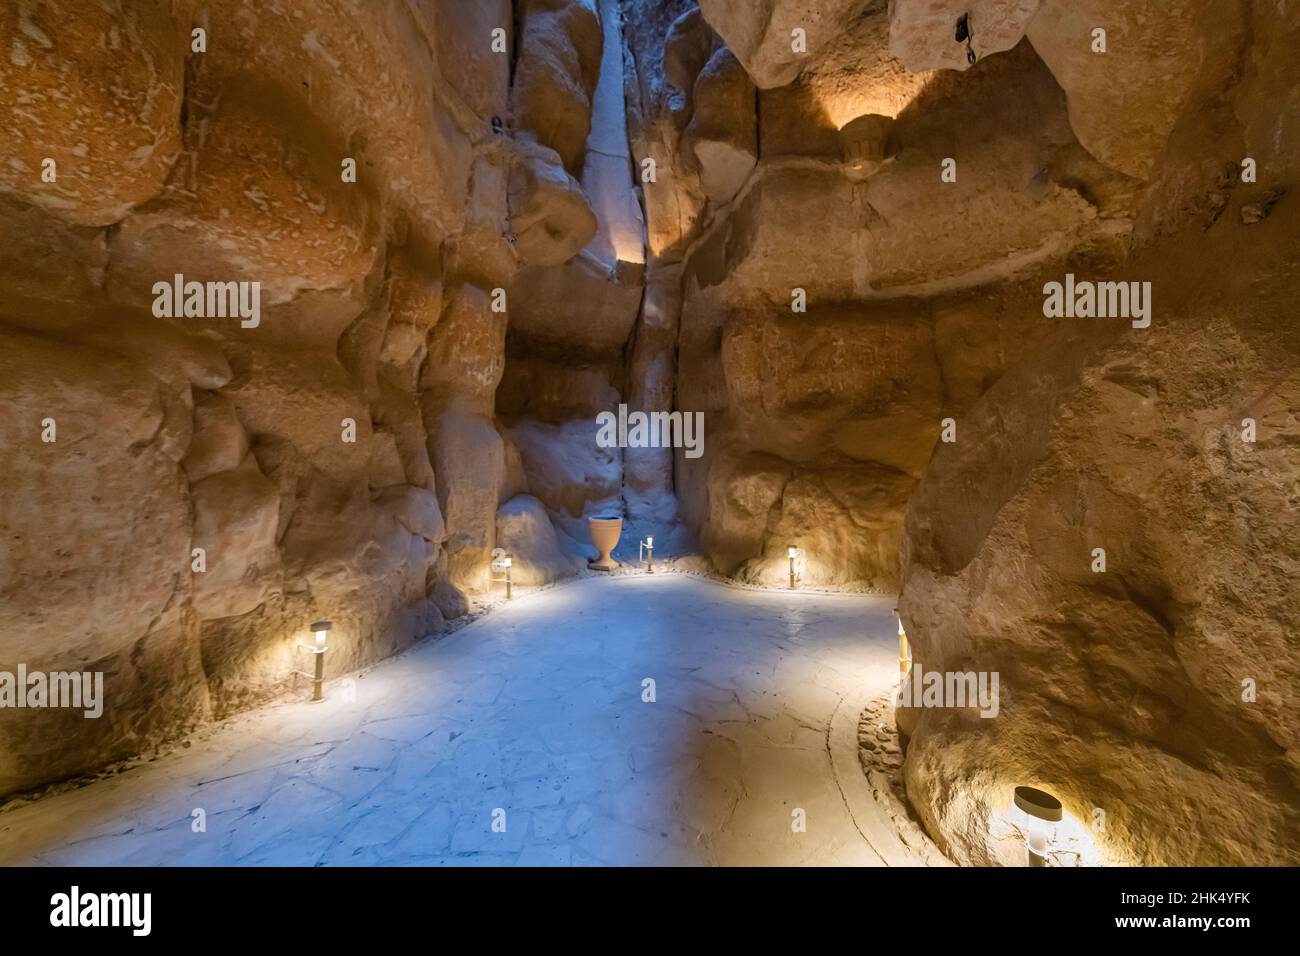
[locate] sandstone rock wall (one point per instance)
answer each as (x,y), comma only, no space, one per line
(1111,155)
(570,324)
(476,226)
(183,495)
(667,45)
(1161,691)
(848,301)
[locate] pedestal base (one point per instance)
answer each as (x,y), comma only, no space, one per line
(605,532)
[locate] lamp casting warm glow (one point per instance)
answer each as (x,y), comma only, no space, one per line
(863,144)
(793,553)
(1042,812)
(904,652)
(502,562)
(320,629)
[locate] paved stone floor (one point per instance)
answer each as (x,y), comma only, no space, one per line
(533,715)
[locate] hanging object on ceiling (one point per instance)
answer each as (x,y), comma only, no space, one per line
(966,34)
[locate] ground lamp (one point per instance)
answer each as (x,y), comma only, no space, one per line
(648,553)
(320,629)
(904,654)
(863,144)
(1041,813)
(501,565)
(793,553)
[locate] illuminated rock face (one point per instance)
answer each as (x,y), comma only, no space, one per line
(830,335)
(1155,697)
(389,187)
(1160,691)
(107,128)
(924,34)
(468,229)
(1127,71)
(775,39)
(832,324)
(207,489)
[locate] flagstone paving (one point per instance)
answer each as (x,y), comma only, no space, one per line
(524,739)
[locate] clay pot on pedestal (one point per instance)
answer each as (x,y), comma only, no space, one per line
(605,532)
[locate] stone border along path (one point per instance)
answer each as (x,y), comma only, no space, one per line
(535,710)
(881,756)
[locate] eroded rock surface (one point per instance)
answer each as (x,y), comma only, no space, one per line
(207,486)
(1127,70)
(476,227)
(1158,689)
(878,282)
(722,133)
(763,34)
(560,47)
(924,34)
(1126,690)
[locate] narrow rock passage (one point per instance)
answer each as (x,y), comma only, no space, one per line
(536,710)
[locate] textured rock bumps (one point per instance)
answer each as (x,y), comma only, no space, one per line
(384,172)
(723,131)
(560,48)
(212,489)
(924,34)
(1160,692)
(551,219)
(762,33)
(841,261)
(110,123)
(1122,691)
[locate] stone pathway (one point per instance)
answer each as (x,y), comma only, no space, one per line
(882,762)
(532,716)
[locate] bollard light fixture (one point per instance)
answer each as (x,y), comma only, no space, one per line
(904,652)
(1041,812)
(321,630)
(792,552)
(863,144)
(502,562)
(648,553)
